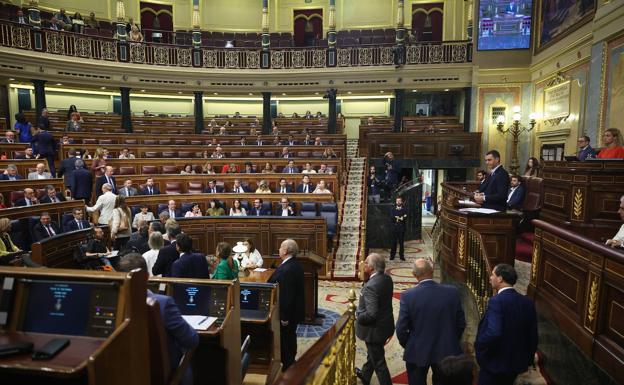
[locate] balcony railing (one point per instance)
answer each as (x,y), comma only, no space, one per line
(102,48)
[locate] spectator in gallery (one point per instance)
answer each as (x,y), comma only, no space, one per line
(612,139)
(214,210)
(280,115)
(23,128)
(20,18)
(237,210)
(195,211)
(532,167)
(131,24)
(295,115)
(237,115)
(92,22)
(63,19)
(585,150)
(77,23)
(135,34)
(54,24)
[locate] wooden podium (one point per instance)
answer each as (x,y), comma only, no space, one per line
(311,264)
(497,230)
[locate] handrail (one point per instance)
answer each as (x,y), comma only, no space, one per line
(478,269)
(331,359)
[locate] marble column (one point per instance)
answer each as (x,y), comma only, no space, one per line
(331,98)
(196,21)
(198,106)
(399,108)
(121,35)
(265,55)
(40,99)
(399,50)
(266,113)
(331,35)
(126,115)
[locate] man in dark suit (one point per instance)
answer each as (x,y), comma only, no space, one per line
(172,210)
(45,146)
(189,265)
(398,218)
(283,187)
(106,178)
(81,182)
(585,150)
(290,168)
(168,254)
(51,195)
(284,209)
(68,166)
(150,189)
(78,223)
(29,198)
(375,321)
(257,209)
(289,275)
(181,336)
(139,239)
(291,141)
(492,194)
(507,336)
(45,228)
(259,141)
(305,186)
(515,198)
(212,188)
(431,323)
(238,188)
(11,173)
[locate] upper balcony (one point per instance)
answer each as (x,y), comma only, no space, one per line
(95,47)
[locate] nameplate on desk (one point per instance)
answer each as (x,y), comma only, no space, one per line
(199,322)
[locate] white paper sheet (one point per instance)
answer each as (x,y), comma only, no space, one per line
(260,270)
(199,322)
(478,210)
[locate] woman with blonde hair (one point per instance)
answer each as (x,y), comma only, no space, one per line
(321,188)
(98,165)
(228,267)
(121,225)
(263,188)
(207,168)
(6,244)
(612,139)
(155,243)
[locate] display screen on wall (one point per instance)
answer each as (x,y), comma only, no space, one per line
(504,24)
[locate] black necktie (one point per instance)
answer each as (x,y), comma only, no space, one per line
(150,191)
(79,225)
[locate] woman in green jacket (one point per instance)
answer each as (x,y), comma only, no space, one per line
(227,267)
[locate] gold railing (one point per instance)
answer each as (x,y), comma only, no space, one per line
(72,44)
(478,268)
(331,359)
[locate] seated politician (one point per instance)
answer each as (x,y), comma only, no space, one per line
(45,228)
(515,198)
(181,336)
(6,244)
(618,240)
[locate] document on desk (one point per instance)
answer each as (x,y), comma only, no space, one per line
(113,254)
(478,210)
(259,270)
(199,322)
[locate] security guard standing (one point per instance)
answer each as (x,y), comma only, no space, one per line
(399,216)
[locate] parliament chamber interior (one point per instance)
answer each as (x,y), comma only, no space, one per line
(215,192)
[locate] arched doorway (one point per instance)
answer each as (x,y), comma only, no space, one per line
(427,21)
(157,22)
(308,26)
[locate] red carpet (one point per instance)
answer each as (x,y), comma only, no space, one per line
(524,247)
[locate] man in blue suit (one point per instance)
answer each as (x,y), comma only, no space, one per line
(68,166)
(507,336)
(78,223)
(181,337)
(81,182)
(45,146)
(189,265)
(492,194)
(585,150)
(431,323)
(515,198)
(257,209)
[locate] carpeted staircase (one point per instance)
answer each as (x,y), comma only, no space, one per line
(524,247)
(352,224)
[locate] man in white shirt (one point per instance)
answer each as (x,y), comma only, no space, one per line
(40,173)
(618,239)
(284,210)
(308,169)
(105,204)
(515,198)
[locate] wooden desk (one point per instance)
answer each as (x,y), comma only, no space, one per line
(24,166)
(256,276)
(8,186)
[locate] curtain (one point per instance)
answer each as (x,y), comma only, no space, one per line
(308,26)
(427,21)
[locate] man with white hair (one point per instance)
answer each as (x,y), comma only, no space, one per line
(105,204)
(375,321)
(618,239)
(431,323)
(40,173)
(289,275)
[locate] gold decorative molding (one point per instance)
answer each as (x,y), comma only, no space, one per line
(602,111)
(577,207)
(535,261)
(461,243)
(593,300)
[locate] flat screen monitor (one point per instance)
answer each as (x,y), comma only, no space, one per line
(249,298)
(504,25)
(69,307)
(192,299)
